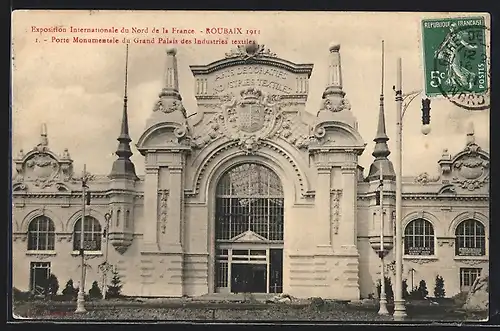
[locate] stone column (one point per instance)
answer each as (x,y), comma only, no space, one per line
(349,205)
(150,221)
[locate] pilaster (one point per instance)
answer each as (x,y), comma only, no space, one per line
(172,223)
(323,226)
(151,209)
(349,206)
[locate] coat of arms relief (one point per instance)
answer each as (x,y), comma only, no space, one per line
(249,118)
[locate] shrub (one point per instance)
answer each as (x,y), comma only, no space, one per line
(439,291)
(69,291)
(52,286)
(18,295)
(95,291)
(317,302)
(460,298)
(406,294)
(421,292)
(389,294)
(115,289)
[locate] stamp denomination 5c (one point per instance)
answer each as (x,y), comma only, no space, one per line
(456,61)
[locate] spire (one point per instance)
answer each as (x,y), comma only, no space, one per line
(123,167)
(171,79)
(470,134)
(381,149)
(381,166)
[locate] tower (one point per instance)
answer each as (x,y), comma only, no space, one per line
(381,177)
(165,145)
(122,183)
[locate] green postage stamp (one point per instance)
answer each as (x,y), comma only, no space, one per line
(456,60)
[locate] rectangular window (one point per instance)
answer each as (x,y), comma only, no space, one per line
(467,277)
(221,270)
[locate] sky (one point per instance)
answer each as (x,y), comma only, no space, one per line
(77,89)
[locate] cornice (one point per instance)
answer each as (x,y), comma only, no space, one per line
(301,99)
(262,60)
(428,196)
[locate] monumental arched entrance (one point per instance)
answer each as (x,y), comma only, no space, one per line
(249,230)
(221,183)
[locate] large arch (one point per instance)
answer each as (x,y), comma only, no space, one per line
(229,154)
(213,177)
(249,230)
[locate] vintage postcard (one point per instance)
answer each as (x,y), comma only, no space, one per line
(244,166)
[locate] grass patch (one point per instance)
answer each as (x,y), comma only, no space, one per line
(185,309)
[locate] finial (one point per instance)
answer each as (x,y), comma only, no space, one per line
(334,84)
(171,81)
(126,74)
(65,154)
(445,155)
(334,47)
(382,84)
(44,140)
(124,128)
(470,133)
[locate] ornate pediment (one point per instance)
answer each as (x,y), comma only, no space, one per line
(42,167)
(469,169)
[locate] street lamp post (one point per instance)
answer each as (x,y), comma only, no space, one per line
(383,300)
(80,301)
(399,302)
(105,265)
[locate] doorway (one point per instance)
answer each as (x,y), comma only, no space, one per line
(248,278)
(249,230)
(39,275)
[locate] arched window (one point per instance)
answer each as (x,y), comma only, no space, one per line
(41,234)
(92,234)
(249,197)
(470,238)
(419,238)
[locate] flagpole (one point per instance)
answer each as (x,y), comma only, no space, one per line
(80,301)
